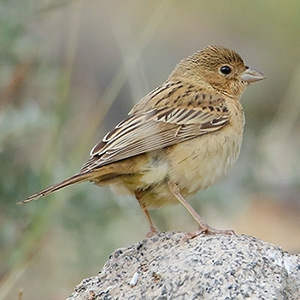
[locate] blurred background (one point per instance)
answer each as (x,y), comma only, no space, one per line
(71,70)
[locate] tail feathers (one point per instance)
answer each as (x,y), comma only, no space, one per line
(69,181)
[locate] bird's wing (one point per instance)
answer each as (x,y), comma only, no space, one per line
(159,127)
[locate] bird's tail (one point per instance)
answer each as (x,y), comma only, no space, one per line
(69,181)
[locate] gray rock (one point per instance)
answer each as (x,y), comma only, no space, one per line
(167,266)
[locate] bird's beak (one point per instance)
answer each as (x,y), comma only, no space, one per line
(252,75)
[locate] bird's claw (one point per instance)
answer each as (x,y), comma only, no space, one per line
(208,230)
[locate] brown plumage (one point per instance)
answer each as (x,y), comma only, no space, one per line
(180,138)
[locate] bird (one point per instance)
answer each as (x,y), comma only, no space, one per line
(180,138)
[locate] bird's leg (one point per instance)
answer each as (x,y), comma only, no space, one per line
(153,229)
(203,226)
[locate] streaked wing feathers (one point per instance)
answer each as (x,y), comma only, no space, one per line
(156,129)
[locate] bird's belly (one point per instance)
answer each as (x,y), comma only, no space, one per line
(193,165)
(198,163)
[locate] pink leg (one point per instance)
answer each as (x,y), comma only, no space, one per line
(153,229)
(203,226)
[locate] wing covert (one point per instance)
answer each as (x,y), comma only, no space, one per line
(158,128)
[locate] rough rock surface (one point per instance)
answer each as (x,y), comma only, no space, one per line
(167,266)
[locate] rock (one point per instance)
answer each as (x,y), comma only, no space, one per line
(167,266)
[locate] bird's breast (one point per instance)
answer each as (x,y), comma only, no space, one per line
(198,163)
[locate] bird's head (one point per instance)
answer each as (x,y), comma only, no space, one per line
(221,68)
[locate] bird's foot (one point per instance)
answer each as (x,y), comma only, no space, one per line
(153,231)
(208,230)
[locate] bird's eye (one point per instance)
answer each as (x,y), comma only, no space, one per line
(225,70)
